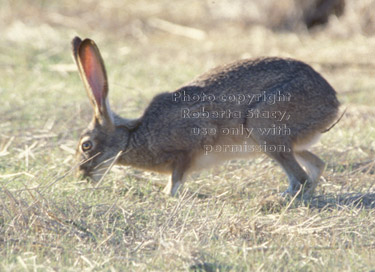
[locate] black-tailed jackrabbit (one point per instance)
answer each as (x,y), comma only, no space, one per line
(274,106)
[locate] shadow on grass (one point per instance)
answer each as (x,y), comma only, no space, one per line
(277,203)
(209,267)
(349,200)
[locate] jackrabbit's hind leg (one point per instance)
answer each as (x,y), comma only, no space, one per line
(314,167)
(297,177)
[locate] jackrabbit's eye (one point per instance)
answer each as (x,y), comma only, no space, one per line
(87,145)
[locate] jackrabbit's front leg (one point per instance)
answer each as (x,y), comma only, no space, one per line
(178,176)
(174,185)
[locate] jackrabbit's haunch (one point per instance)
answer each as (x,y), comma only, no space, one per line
(275,106)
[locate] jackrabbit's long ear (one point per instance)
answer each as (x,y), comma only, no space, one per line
(93,74)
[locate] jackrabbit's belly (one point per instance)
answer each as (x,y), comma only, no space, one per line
(224,150)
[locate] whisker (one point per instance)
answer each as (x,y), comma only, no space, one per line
(106,161)
(89,159)
(109,168)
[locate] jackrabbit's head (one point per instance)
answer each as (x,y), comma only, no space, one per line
(102,140)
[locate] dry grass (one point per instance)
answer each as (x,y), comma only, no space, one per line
(227,218)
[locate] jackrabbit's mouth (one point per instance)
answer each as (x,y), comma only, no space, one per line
(83,175)
(88,174)
(87,170)
(97,176)
(90,177)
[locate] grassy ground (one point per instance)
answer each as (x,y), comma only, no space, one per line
(229,218)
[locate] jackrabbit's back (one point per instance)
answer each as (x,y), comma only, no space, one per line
(245,87)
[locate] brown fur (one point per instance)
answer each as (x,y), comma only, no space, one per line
(161,140)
